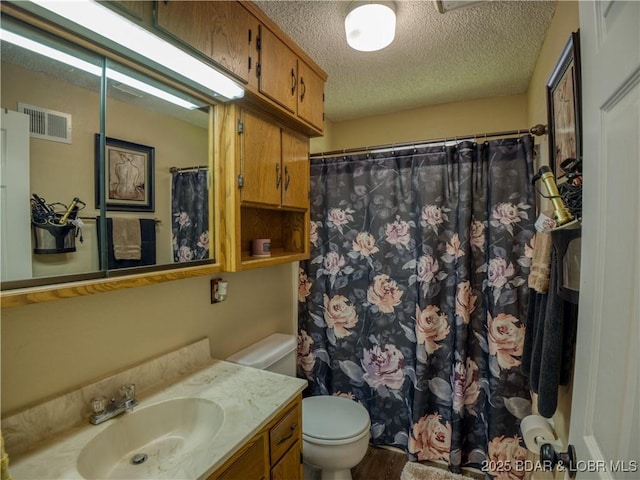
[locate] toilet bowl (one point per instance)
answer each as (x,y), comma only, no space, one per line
(335,430)
(335,435)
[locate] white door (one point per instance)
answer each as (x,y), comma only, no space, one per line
(605,416)
(15,220)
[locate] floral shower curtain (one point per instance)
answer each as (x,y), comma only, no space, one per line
(414,298)
(190,215)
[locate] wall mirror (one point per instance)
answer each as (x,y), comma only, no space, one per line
(128,156)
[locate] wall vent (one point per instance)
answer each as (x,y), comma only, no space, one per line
(47,124)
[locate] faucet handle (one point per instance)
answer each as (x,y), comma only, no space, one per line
(127,391)
(98,404)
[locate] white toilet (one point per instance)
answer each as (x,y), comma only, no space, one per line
(335,430)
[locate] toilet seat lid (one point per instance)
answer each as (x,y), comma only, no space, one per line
(328,417)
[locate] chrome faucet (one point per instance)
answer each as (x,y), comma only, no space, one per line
(103,411)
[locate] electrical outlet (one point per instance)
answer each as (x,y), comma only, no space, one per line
(218,290)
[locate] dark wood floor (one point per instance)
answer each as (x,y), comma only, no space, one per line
(380,464)
(384,464)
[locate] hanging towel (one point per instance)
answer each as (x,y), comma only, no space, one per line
(541,263)
(127,240)
(549,343)
(148,256)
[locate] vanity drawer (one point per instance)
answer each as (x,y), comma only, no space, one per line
(285,433)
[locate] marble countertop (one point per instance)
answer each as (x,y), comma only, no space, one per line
(250,398)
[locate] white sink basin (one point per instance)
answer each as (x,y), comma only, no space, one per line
(163,432)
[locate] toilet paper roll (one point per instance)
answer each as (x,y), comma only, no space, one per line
(536,431)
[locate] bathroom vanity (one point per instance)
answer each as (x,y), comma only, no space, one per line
(275,452)
(199,418)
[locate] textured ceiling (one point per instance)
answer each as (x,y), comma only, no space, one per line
(482,50)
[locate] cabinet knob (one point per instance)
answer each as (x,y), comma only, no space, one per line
(287,178)
(278,176)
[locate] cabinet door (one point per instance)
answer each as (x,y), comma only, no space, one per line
(188,22)
(310,96)
(230,31)
(261,154)
(295,171)
(290,466)
(219,30)
(251,465)
(278,70)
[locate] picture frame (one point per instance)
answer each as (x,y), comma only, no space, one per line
(564,111)
(129,175)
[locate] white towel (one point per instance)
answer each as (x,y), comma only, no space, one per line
(127,239)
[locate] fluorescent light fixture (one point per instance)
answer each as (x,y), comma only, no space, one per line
(143,87)
(370,26)
(75,62)
(105,22)
(49,52)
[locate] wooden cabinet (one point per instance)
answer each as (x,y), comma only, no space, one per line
(274,453)
(278,70)
(266,189)
(295,170)
(288,80)
(261,161)
(238,37)
(310,96)
(219,30)
(274,164)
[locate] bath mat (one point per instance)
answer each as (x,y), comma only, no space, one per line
(417,471)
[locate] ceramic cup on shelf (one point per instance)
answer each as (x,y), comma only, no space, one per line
(261,247)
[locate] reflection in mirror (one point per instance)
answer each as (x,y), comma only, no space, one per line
(51,110)
(150,162)
(154,132)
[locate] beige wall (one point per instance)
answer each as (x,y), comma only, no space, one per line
(52,347)
(450,120)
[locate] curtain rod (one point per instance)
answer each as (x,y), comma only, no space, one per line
(537,130)
(186,169)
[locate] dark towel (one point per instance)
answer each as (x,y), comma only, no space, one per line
(148,245)
(549,343)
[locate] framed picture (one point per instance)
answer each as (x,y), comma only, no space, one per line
(129,175)
(564,107)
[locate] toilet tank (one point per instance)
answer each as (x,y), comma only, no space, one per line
(275,353)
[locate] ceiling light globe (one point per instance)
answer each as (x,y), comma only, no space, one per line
(370,27)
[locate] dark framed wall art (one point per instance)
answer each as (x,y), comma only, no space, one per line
(564,107)
(129,175)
